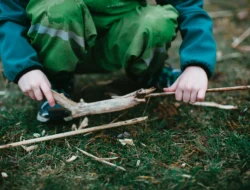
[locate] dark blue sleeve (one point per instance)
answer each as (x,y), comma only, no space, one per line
(18,56)
(198,47)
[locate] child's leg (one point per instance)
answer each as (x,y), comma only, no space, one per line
(137,42)
(61,31)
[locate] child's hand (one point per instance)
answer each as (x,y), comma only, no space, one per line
(36,85)
(191,86)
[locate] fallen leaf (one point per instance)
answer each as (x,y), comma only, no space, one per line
(30,148)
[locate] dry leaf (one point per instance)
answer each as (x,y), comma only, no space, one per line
(84,123)
(30,148)
(36,135)
(127,141)
(4,175)
(74,127)
(71,159)
(122,142)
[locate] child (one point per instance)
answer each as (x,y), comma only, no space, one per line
(42,42)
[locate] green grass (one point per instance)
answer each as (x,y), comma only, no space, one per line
(179,147)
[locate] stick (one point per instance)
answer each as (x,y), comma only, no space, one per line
(106,106)
(215,105)
(119,103)
(240,39)
(224,89)
(72,133)
(101,160)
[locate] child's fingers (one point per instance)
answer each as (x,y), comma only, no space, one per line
(178,94)
(173,87)
(38,94)
(31,95)
(48,94)
(186,96)
(194,95)
(201,95)
(26,94)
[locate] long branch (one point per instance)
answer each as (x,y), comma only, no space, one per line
(72,133)
(121,102)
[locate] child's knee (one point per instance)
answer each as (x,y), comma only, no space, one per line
(55,12)
(160,22)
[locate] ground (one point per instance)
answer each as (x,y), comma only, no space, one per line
(180,146)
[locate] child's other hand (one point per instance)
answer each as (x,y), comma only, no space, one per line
(35,84)
(191,86)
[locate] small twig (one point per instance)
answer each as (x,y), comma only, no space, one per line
(119,117)
(229,56)
(101,160)
(112,158)
(224,89)
(240,39)
(72,133)
(215,105)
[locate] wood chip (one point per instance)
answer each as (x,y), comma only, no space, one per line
(4,175)
(71,159)
(127,142)
(74,127)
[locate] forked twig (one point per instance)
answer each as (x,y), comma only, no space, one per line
(241,38)
(101,160)
(72,133)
